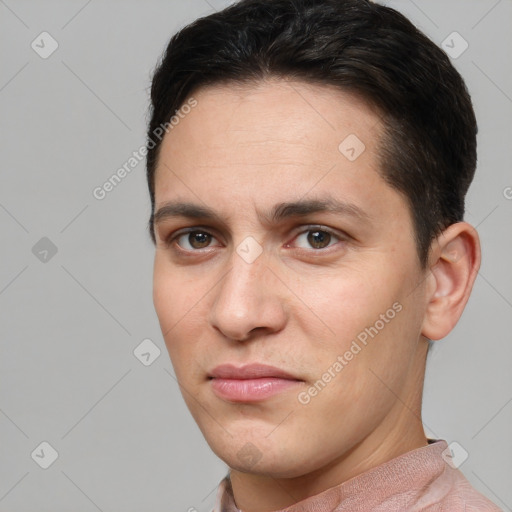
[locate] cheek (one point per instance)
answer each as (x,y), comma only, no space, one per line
(164,294)
(368,314)
(177,301)
(343,303)
(377,325)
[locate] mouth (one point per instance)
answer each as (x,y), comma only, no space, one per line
(250,383)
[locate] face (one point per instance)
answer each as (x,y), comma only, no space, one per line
(286,278)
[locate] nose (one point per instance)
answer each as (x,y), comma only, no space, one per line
(249,300)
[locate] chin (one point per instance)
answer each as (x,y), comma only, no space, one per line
(265,456)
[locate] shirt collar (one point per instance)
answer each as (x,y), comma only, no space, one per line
(407,475)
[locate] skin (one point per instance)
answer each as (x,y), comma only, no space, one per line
(240,152)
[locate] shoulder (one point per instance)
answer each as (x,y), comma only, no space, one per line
(460,496)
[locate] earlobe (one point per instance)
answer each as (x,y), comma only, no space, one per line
(454,264)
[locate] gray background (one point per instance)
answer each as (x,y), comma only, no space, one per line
(69,325)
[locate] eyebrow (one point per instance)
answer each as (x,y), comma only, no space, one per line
(279,212)
(302,208)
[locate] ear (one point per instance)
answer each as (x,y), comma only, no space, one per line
(454,262)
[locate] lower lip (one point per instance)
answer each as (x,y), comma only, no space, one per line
(251,390)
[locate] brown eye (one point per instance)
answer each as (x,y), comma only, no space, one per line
(199,240)
(194,240)
(319,239)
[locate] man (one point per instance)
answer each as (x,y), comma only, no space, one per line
(307,166)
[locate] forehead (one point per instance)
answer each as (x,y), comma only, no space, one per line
(278,112)
(259,142)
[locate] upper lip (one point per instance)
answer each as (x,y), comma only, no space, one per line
(249,371)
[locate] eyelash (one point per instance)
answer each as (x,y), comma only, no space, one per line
(172,239)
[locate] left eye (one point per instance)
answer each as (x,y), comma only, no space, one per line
(316,239)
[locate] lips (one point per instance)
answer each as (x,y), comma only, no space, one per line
(250,383)
(251,371)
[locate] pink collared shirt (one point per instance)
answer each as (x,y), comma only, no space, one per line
(420,480)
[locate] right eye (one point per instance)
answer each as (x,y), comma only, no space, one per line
(194,240)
